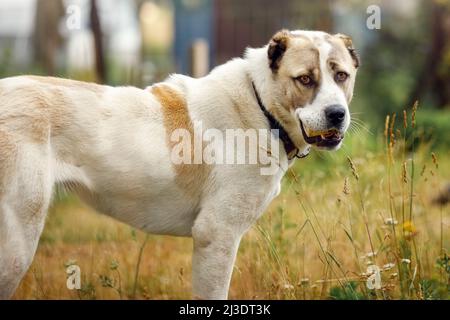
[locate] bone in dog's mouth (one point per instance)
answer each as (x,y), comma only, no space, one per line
(325,138)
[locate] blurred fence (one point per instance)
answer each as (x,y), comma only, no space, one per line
(240,24)
(230,26)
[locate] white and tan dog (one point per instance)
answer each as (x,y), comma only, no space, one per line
(113,147)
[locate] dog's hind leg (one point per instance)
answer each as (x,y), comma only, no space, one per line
(26,182)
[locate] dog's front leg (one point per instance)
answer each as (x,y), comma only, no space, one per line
(215,246)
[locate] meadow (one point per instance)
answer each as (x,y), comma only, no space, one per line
(370,206)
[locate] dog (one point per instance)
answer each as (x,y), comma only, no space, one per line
(113,146)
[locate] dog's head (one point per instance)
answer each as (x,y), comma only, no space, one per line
(313,75)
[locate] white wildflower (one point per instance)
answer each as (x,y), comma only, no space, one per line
(407,261)
(371,254)
(304,280)
(388,266)
(288,286)
(390,222)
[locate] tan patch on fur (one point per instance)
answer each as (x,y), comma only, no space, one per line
(191,177)
(40,109)
(53,103)
(42,113)
(301,58)
(341,57)
(8,152)
(53,106)
(348,43)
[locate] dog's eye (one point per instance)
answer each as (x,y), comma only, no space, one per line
(305,80)
(341,76)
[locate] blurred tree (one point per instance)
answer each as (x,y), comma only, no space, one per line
(435,74)
(46,38)
(97,32)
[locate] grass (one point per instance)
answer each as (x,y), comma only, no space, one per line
(339,216)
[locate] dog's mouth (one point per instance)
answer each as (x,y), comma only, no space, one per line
(325,139)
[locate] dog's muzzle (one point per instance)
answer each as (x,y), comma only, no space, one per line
(325,139)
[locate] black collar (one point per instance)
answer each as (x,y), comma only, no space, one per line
(289,146)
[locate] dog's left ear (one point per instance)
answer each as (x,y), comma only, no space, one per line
(349,45)
(277,47)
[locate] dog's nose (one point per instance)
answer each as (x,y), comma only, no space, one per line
(335,115)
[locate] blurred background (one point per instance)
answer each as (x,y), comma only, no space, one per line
(140,42)
(405,57)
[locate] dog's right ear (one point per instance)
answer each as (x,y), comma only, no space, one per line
(349,45)
(277,47)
